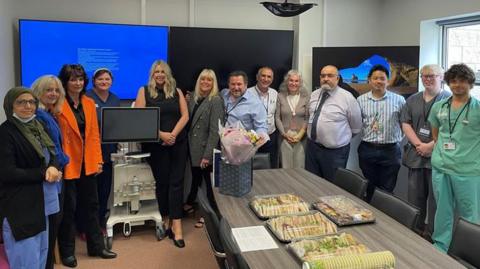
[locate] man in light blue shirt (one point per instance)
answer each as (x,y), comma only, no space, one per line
(244,106)
(334,119)
(379,152)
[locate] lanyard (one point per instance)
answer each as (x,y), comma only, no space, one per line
(293,102)
(425,115)
(261,99)
(450,127)
(233,107)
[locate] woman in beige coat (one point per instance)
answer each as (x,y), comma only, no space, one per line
(291,118)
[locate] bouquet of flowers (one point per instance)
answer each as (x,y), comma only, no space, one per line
(238,144)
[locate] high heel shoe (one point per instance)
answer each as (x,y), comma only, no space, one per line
(180,243)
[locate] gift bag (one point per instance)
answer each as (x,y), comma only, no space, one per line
(235,180)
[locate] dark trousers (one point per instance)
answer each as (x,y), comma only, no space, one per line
(380,165)
(54,221)
(323,161)
(271,147)
(104,184)
(419,192)
(199,175)
(168,168)
(80,194)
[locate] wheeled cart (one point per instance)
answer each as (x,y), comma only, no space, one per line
(132,197)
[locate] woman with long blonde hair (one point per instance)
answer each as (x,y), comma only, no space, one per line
(205,110)
(168,157)
(49,91)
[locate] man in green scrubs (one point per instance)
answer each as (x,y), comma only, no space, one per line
(456,157)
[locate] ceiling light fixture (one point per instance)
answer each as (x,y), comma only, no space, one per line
(286,9)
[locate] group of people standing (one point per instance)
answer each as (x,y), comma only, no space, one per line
(51,147)
(315,130)
(54,167)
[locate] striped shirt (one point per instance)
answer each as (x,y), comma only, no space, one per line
(381,118)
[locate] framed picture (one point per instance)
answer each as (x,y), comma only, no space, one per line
(354,63)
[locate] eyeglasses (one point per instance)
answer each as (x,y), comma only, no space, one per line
(429,76)
(328,75)
(31,102)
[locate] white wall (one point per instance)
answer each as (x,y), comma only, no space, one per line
(350,23)
(248,14)
(7,77)
(308,33)
(401,19)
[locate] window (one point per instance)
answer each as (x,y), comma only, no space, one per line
(461,44)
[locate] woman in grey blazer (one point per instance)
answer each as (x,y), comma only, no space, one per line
(205,109)
(291,118)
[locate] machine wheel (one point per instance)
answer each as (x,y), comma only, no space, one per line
(127,229)
(159,232)
(109,242)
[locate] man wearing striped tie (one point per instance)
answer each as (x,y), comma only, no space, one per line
(379,152)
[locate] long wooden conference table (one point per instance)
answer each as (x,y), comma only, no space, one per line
(409,249)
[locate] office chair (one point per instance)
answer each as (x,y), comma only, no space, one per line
(261,161)
(350,181)
(396,208)
(234,258)
(466,243)
(211,227)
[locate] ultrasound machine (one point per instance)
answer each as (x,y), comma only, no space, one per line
(132,198)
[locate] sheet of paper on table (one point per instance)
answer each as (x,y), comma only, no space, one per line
(253,238)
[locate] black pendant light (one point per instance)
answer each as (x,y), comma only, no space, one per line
(286,9)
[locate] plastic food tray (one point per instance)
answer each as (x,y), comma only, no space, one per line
(304,206)
(334,245)
(343,211)
(326,227)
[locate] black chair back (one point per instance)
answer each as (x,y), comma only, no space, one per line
(234,258)
(465,243)
(211,227)
(351,181)
(261,161)
(396,208)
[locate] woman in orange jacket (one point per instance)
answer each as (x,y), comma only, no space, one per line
(81,143)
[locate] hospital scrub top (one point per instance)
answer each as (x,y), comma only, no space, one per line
(464,159)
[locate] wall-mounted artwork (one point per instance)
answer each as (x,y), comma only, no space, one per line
(354,64)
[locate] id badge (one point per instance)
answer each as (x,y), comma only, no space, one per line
(449,146)
(424,131)
(270,121)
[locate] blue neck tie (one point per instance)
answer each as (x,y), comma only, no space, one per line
(313,132)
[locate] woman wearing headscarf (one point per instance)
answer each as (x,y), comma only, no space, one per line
(81,142)
(28,193)
(50,93)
